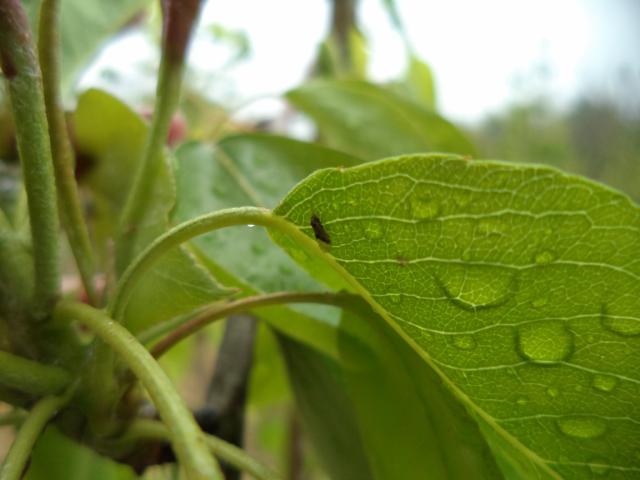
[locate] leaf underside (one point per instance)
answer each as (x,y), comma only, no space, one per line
(518,285)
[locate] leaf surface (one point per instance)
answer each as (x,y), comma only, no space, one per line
(110,138)
(518,285)
(370,122)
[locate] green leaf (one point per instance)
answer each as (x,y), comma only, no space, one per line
(249,170)
(110,138)
(56,457)
(382,398)
(518,285)
(418,84)
(370,122)
(85,25)
(327,413)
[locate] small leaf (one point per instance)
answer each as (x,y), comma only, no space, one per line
(370,122)
(517,285)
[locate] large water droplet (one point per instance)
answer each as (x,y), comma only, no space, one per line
(545,257)
(604,383)
(475,286)
(424,208)
(582,427)
(627,327)
(545,342)
(464,342)
(373,231)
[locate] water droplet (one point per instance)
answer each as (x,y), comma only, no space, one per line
(627,327)
(545,257)
(540,302)
(582,427)
(545,342)
(373,231)
(464,342)
(599,466)
(476,286)
(424,208)
(250,225)
(553,392)
(604,383)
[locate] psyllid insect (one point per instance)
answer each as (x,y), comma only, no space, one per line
(319,231)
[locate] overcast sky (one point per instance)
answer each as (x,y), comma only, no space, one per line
(484,54)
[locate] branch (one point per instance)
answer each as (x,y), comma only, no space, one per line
(63,158)
(18,61)
(186,437)
(217,312)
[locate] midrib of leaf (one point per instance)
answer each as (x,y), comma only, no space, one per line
(290,204)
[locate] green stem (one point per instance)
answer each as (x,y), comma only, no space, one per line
(151,429)
(179,18)
(15,463)
(192,228)
(63,158)
(31,377)
(217,312)
(20,67)
(186,437)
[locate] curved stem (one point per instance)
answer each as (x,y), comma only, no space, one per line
(35,422)
(151,429)
(192,228)
(186,437)
(217,312)
(62,153)
(20,67)
(31,377)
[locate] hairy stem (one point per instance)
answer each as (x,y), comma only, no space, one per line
(217,312)
(151,429)
(15,463)
(192,228)
(63,158)
(20,67)
(18,373)
(186,437)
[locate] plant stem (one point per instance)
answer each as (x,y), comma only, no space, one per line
(63,158)
(192,228)
(151,429)
(179,18)
(20,67)
(31,377)
(244,304)
(186,437)
(15,463)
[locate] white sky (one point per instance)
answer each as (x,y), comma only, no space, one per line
(484,53)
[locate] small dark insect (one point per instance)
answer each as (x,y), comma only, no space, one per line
(319,231)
